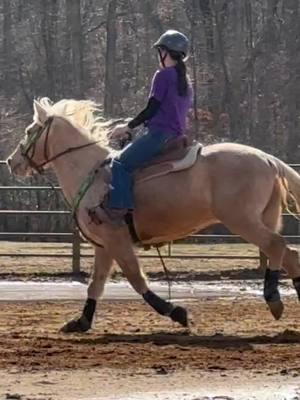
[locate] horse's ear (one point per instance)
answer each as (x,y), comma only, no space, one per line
(40,114)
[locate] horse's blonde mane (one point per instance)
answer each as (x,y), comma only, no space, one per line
(83,113)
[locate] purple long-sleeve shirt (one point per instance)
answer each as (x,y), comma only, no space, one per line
(172,114)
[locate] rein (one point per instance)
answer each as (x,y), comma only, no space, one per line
(30,145)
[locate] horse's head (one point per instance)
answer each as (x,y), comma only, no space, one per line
(30,155)
(78,118)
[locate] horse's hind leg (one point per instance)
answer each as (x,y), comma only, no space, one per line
(118,242)
(272,219)
(252,229)
(272,215)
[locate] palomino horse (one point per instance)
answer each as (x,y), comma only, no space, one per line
(240,186)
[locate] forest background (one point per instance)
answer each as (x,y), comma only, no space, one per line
(244,65)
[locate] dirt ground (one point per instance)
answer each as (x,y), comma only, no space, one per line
(233,348)
(225,334)
(111,384)
(226,337)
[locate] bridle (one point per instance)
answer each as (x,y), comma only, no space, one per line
(28,147)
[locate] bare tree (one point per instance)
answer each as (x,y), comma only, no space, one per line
(74,24)
(110,59)
(7,47)
(244,61)
(49,11)
(293,83)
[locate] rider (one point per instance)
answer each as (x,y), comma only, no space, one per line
(164,117)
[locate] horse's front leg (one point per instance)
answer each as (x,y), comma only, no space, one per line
(119,244)
(102,268)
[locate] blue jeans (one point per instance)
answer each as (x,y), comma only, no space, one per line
(136,155)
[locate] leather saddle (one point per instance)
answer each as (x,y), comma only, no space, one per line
(178,154)
(175,149)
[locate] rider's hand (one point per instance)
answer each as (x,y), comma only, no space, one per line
(119,131)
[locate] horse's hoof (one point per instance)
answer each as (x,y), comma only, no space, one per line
(276,308)
(76,325)
(179,314)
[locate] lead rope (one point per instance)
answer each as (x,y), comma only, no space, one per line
(166,272)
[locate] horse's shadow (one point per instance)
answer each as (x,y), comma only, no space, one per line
(188,340)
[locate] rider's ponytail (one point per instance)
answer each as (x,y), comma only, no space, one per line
(182,78)
(183,81)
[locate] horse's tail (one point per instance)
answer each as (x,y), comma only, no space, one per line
(290,181)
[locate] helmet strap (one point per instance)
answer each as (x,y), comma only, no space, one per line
(162,58)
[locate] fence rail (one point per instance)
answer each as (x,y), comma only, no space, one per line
(74,237)
(76,241)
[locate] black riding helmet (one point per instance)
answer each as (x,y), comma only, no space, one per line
(174,41)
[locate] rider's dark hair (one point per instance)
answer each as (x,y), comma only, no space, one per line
(183,80)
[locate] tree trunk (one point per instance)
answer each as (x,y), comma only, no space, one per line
(293,87)
(251,70)
(7,47)
(110,60)
(230,103)
(48,27)
(76,45)
(190,9)
(208,29)
(213,89)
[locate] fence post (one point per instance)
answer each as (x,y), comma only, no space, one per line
(76,252)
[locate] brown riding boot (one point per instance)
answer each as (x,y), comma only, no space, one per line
(104,215)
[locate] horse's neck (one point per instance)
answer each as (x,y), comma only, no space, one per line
(73,168)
